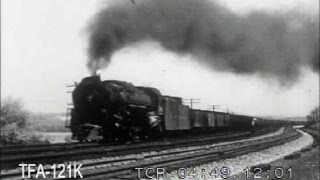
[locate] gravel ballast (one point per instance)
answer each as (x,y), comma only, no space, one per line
(237,165)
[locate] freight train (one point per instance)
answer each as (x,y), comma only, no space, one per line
(115,111)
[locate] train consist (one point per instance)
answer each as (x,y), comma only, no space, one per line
(115,110)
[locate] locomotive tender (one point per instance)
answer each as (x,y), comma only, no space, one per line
(117,110)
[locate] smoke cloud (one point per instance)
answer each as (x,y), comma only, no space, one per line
(270,45)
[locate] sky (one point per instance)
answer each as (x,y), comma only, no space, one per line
(43,48)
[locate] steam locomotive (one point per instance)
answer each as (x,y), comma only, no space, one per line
(115,110)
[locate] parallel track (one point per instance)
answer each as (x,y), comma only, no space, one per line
(40,148)
(61,155)
(179,155)
(183,158)
(20,150)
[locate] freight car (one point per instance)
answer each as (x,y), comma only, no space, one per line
(117,110)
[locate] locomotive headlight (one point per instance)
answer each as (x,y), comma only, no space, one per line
(117,124)
(90,97)
(154,120)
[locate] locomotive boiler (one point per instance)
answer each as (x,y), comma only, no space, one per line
(114,109)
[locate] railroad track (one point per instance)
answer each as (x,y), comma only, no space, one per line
(43,145)
(167,158)
(40,148)
(62,154)
(315,133)
(20,150)
(184,157)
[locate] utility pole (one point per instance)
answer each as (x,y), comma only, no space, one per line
(191,101)
(213,107)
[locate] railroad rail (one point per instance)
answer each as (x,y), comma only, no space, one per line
(32,148)
(173,155)
(63,153)
(18,150)
(184,157)
(315,133)
(8,147)
(39,148)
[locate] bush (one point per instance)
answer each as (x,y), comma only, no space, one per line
(14,126)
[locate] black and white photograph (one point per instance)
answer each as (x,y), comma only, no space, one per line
(160,89)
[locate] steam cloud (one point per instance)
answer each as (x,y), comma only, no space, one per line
(271,45)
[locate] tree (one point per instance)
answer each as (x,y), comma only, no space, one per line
(13,112)
(13,121)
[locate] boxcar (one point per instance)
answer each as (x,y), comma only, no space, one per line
(199,119)
(222,119)
(184,118)
(211,119)
(171,112)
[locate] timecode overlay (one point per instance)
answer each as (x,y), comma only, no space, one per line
(184,173)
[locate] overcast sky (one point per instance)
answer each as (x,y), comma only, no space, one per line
(43,48)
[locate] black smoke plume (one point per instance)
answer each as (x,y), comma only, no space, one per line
(271,45)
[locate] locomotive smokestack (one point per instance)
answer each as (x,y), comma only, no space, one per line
(273,45)
(96,73)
